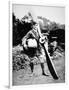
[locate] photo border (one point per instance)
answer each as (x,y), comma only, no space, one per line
(10,35)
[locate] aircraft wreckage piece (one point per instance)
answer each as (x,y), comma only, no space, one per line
(50,63)
(49,60)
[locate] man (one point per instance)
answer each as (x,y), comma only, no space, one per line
(31,45)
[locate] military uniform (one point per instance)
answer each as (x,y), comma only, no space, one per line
(34,51)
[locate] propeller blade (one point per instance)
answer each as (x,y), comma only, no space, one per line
(50,64)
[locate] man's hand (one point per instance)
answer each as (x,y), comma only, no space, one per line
(42,39)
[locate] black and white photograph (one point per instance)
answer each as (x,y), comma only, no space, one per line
(38,44)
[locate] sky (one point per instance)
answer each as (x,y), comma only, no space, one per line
(52,13)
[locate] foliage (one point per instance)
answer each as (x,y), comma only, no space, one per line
(20,61)
(20,29)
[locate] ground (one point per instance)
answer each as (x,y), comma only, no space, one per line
(24,76)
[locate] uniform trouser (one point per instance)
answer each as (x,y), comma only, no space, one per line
(42,67)
(42,60)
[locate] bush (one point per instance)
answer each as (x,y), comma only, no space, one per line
(20,61)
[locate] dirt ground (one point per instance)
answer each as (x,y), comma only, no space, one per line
(25,77)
